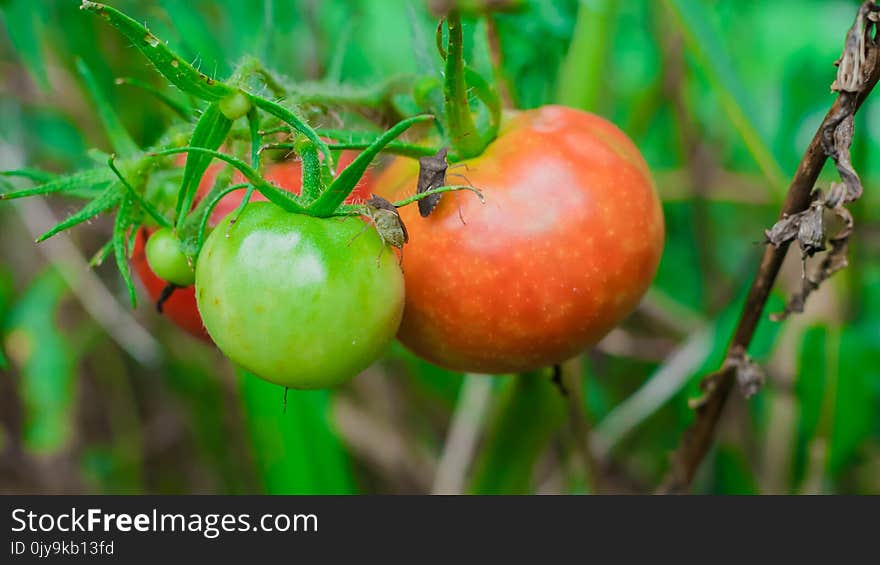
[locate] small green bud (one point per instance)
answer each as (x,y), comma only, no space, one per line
(235,105)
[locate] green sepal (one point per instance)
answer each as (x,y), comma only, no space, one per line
(209,133)
(274,194)
(341,187)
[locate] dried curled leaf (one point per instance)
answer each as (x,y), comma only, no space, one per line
(853,65)
(807,227)
(748,374)
(832,262)
(860,56)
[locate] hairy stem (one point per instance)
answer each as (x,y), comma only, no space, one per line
(462,129)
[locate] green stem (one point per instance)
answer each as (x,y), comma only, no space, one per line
(394,148)
(440,190)
(462,129)
(311,169)
(146,206)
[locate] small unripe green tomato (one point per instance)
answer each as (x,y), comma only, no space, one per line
(235,105)
(167,260)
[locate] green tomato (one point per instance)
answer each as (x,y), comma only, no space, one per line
(167,260)
(302,302)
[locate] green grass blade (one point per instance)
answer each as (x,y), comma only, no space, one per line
(177,107)
(47,364)
(23,22)
(120,140)
(297,452)
(529,412)
(702,40)
(582,74)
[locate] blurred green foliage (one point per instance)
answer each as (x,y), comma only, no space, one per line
(722,97)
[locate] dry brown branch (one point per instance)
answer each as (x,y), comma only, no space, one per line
(857,75)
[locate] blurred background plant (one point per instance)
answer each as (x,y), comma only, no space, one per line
(721,96)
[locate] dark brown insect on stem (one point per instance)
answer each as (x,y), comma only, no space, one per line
(432,174)
(164,296)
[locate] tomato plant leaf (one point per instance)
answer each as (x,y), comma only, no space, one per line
(120,246)
(106,200)
(138,197)
(173,67)
(98,258)
(486,93)
(67,184)
(35,175)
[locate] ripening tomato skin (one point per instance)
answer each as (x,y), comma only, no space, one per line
(181,308)
(299,301)
(567,243)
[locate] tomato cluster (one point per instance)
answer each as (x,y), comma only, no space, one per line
(180,306)
(566,243)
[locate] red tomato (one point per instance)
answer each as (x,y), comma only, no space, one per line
(565,246)
(181,307)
